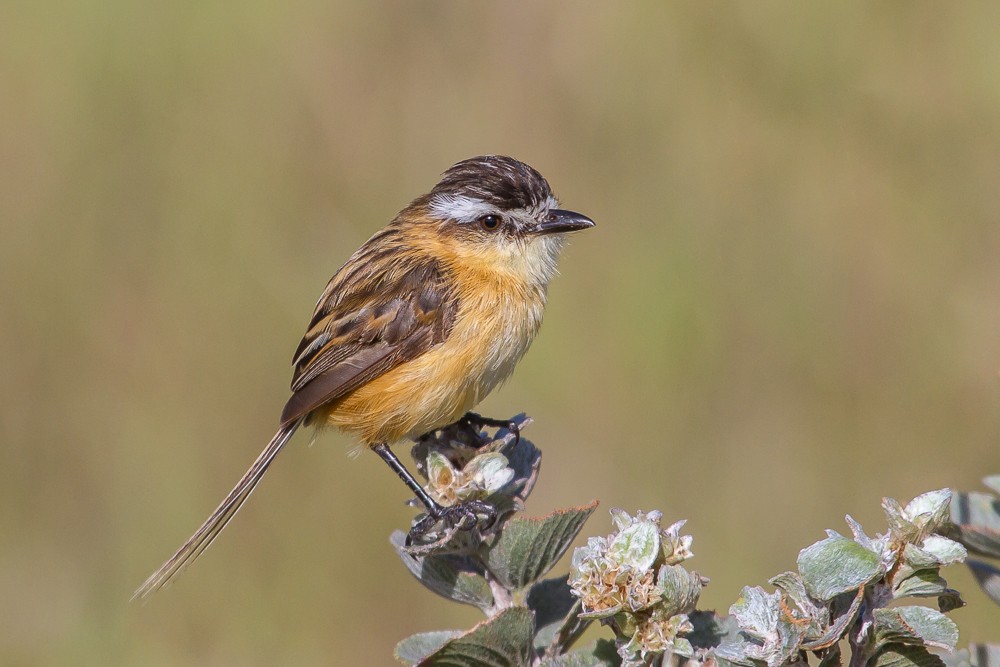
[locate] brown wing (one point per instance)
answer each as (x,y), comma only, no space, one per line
(382,308)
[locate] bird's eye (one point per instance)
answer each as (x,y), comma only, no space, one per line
(489,222)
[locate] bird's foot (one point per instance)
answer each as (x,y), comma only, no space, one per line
(464,516)
(475,421)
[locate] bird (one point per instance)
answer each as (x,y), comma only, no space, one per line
(424,320)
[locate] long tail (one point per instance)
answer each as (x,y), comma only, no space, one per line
(220,518)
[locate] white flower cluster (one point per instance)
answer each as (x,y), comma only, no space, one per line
(632,580)
(482,476)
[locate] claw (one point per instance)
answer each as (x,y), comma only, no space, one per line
(464,516)
(421,527)
(474,420)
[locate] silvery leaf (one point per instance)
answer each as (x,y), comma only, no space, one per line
(905,655)
(929,509)
(502,641)
(416,647)
(915,625)
(837,565)
(638,543)
(451,576)
(528,548)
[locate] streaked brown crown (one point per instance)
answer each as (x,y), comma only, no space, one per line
(502,181)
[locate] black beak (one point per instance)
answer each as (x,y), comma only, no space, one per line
(559,221)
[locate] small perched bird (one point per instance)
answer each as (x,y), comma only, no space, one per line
(419,325)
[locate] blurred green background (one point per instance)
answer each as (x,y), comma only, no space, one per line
(790,307)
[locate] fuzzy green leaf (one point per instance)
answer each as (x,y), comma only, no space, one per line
(837,565)
(450,576)
(922,583)
(416,647)
(915,625)
(552,601)
(929,509)
(723,637)
(905,655)
(601,653)
(845,614)
(944,550)
(681,589)
(757,612)
(934,551)
(791,583)
(525,459)
(798,598)
(502,641)
(774,636)
(637,543)
(712,631)
(528,548)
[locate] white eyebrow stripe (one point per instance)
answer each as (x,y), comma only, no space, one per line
(460,208)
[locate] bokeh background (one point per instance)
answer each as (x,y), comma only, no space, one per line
(790,307)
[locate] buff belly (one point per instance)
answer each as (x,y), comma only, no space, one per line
(442,384)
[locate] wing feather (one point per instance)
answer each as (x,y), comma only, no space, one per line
(371,318)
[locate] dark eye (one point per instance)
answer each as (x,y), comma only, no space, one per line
(489,222)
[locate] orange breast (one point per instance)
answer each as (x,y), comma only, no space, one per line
(496,321)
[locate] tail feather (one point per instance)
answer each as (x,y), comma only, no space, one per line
(220,518)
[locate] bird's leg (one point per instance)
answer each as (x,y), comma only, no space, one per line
(382,449)
(476,421)
(463,515)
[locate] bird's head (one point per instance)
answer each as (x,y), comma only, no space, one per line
(499,212)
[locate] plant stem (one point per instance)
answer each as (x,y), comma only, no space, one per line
(502,598)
